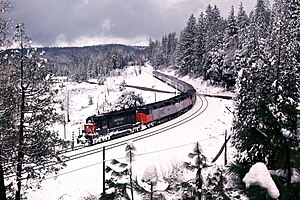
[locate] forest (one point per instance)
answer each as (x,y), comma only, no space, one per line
(255,55)
(83,63)
(217,48)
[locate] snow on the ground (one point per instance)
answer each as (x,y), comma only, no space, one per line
(80,95)
(83,177)
(260,176)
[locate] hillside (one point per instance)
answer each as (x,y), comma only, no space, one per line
(82,63)
(82,177)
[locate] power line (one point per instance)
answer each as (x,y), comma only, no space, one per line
(168,127)
(142,154)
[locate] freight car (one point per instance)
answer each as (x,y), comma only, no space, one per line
(116,124)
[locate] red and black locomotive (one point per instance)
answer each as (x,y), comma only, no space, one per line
(116,124)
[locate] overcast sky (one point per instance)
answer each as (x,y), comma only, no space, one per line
(92,22)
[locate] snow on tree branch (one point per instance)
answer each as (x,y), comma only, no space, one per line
(260,176)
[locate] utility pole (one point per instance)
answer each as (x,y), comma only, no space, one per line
(72,140)
(65,130)
(68,104)
(225,150)
(103,170)
(97,109)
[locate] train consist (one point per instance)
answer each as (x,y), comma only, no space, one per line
(116,124)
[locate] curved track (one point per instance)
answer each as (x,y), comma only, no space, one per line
(90,150)
(135,137)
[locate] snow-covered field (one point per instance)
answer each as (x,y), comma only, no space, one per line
(83,177)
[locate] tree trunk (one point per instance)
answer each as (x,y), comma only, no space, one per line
(131,186)
(288,162)
(151,193)
(20,155)
(2,185)
(20,150)
(200,182)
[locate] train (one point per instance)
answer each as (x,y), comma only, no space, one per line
(112,125)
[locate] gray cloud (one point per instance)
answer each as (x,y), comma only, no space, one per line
(86,22)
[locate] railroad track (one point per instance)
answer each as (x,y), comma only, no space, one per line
(126,139)
(90,150)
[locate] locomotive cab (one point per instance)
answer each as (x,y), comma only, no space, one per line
(144,115)
(98,123)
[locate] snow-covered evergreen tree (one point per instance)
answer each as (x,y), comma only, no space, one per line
(117,184)
(158,59)
(150,50)
(6,117)
(242,23)
(31,108)
(252,94)
(284,50)
(168,47)
(232,27)
(147,186)
(130,149)
(214,26)
(262,17)
(215,185)
(150,175)
(266,116)
(128,99)
(214,39)
(186,47)
(199,163)
(163,53)
(229,72)
(199,68)
(171,49)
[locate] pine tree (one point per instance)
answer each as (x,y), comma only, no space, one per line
(242,36)
(128,99)
(215,185)
(8,133)
(158,59)
(285,45)
(150,50)
(252,94)
(186,47)
(214,39)
(242,24)
(198,165)
(6,116)
(32,108)
(229,72)
(200,47)
(171,49)
(214,26)
(232,27)
(262,18)
(164,49)
(167,48)
(266,118)
(150,177)
(118,186)
(130,149)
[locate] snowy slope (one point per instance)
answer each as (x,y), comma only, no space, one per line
(83,177)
